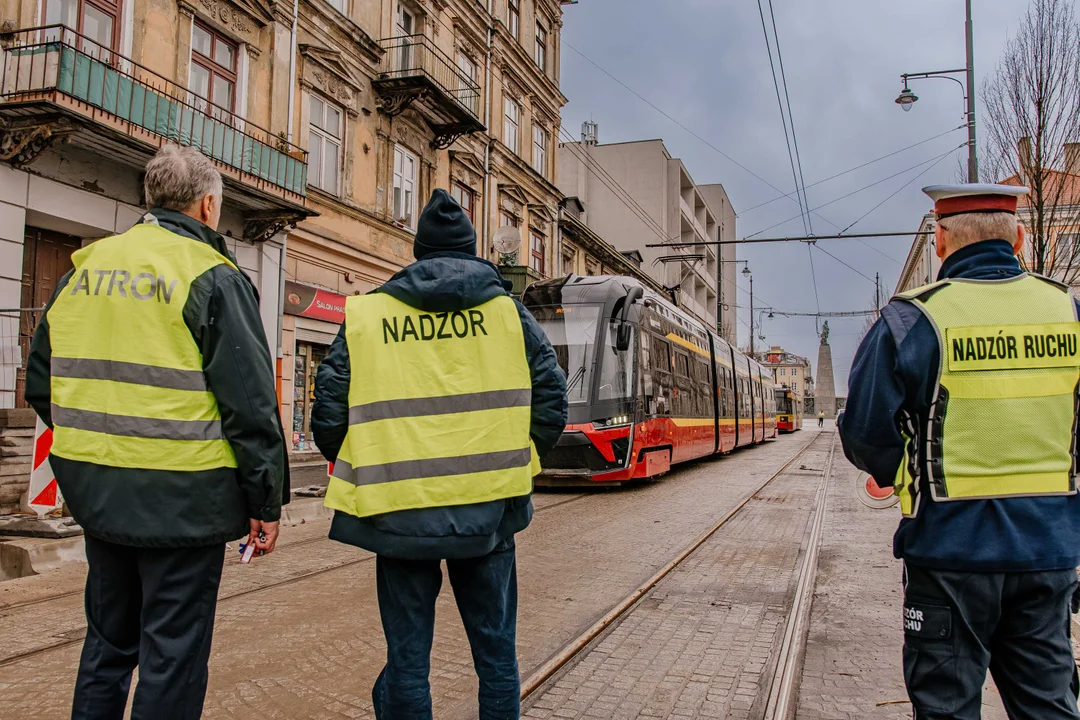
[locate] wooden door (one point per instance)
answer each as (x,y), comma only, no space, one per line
(46,257)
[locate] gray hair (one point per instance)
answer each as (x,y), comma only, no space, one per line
(970,228)
(177,177)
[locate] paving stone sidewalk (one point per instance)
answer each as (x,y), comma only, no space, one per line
(701,643)
(852,667)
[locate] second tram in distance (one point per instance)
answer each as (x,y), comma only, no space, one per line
(789,412)
(648,385)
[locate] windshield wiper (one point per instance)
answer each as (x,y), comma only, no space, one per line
(579,374)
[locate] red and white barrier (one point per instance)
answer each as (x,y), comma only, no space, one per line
(43,495)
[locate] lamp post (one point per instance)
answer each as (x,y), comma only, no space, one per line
(721,304)
(907,98)
(747,273)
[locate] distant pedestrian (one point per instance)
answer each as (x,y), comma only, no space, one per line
(436,400)
(962,399)
(821,419)
(151,366)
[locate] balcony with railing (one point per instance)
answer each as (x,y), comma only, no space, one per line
(56,82)
(416,73)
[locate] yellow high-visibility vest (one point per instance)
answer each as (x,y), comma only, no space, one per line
(127,380)
(439,408)
(1003,420)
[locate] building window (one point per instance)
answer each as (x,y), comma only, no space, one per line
(794,387)
(466,66)
(465,198)
(511,116)
(513,17)
(536,252)
(98,21)
(540,144)
(507,220)
(324,146)
(568,263)
(540,54)
(342,6)
(404,187)
(213,69)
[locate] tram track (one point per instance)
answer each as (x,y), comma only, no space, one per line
(783,687)
(76,635)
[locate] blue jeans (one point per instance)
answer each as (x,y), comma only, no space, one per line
(485,589)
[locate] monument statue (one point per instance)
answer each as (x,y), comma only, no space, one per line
(825,333)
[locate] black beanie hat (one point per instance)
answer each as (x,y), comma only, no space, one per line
(443,227)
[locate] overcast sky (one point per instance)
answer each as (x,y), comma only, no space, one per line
(704,63)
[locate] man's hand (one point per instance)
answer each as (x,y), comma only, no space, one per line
(269,531)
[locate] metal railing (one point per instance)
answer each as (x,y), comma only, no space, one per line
(57,59)
(17,327)
(412,55)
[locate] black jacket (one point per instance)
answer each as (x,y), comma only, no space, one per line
(162,508)
(441,282)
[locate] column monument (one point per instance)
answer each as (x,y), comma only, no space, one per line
(824,387)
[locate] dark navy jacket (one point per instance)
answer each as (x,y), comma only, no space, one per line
(1016,534)
(441,282)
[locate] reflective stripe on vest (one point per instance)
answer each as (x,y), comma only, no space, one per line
(439,408)
(1003,421)
(127,380)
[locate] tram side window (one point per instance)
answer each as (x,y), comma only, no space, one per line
(703,390)
(724,378)
(660,401)
(683,403)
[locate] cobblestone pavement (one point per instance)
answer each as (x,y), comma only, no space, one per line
(852,668)
(701,644)
(311,648)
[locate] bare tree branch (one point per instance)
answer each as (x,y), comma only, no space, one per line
(1032,103)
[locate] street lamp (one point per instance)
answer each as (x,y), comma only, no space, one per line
(746,273)
(908,98)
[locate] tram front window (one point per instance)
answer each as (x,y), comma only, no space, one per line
(572,330)
(575,334)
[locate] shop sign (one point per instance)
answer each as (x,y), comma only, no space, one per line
(312,302)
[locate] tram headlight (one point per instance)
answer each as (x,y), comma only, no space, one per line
(612,421)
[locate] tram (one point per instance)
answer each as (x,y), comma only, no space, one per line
(648,385)
(789,412)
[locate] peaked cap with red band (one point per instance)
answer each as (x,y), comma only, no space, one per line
(974,198)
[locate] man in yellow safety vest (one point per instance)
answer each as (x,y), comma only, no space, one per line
(435,402)
(152,368)
(963,399)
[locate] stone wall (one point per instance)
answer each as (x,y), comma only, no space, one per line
(16,455)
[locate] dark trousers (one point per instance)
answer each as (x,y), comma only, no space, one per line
(485,589)
(957,625)
(154,608)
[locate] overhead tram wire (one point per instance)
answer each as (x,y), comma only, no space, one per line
(791,118)
(855,270)
(898,190)
(853,169)
(798,238)
(783,120)
(859,190)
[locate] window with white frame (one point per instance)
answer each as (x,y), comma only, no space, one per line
(540,147)
(324,145)
(540,54)
(511,118)
(404,209)
(513,17)
(466,66)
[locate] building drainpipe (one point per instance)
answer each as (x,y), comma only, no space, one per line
(487,124)
(285,241)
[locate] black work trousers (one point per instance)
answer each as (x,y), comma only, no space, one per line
(959,624)
(152,608)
